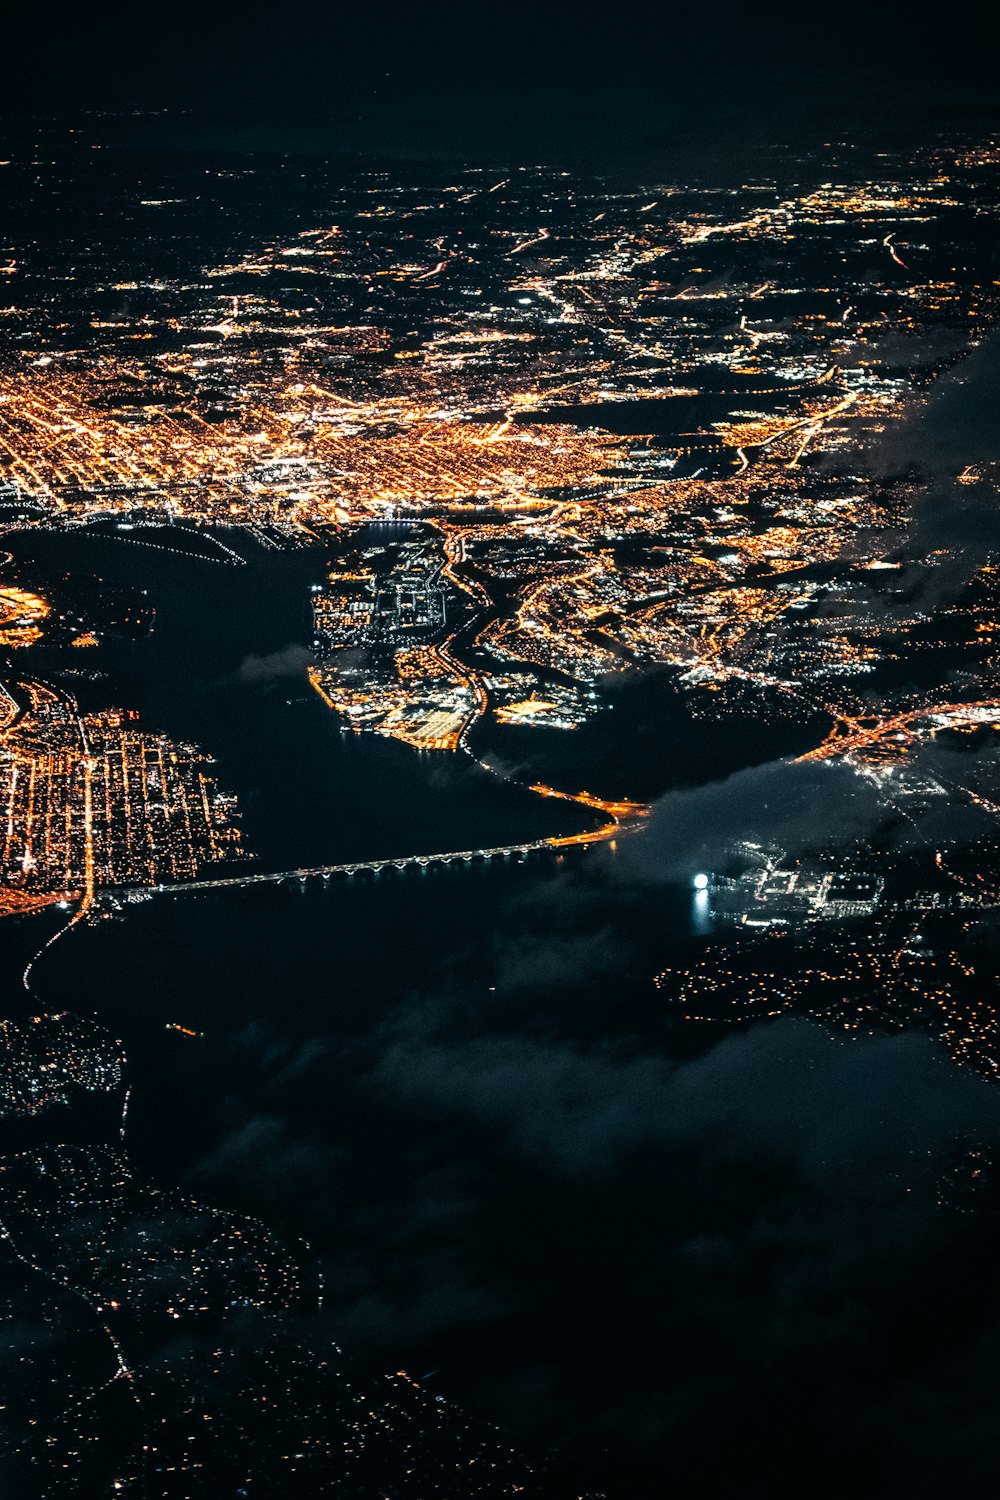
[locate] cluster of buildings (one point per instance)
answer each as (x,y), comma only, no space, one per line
(91,801)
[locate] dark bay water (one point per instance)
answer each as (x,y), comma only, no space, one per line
(215,670)
(312,1097)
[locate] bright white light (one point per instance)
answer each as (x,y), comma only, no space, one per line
(701,882)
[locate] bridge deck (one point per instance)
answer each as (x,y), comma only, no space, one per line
(353,867)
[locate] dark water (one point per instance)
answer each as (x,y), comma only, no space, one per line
(442,1249)
(216,670)
(667,419)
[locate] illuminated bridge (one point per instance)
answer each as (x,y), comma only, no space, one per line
(355,867)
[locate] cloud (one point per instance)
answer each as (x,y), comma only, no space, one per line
(954,526)
(958,424)
(798,805)
(290,661)
(261,1156)
(604,1240)
(954,529)
(906,351)
(851,1115)
(552,960)
(969,776)
(748,1230)
(961,420)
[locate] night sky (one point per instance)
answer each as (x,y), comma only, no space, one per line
(669,84)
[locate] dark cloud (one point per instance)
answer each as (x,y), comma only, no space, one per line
(958,425)
(795,804)
(961,815)
(858,1116)
(606,1241)
(290,661)
(906,351)
(744,1221)
(556,960)
(426,1294)
(955,522)
(262,1156)
(955,528)
(694,288)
